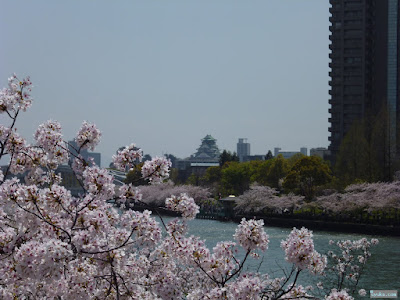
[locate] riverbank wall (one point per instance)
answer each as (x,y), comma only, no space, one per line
(369,229)
(290,222)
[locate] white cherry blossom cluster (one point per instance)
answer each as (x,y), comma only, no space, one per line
(128,195)
(17,96)
(183,204)
(299,250)
(349,261)
(338,295)
(297,292)
(78,166)
(127,158)
(14,143)
(48,136)
(4,133)
(248,286)
(39,177)
(250,235)
(88,136)
(222,262)
(99,182)
(156,170)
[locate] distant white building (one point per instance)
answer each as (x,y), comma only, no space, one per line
(243,149)
(289,154)
(320,152)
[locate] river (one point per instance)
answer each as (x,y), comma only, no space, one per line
(382,271)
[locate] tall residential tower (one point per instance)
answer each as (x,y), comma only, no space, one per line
(243,149)
(364,65)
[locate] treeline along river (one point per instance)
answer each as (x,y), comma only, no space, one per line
(382,271)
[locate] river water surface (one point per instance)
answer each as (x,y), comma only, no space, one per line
(382,271)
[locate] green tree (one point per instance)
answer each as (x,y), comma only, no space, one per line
(227,156)
(174,175)
(235,178)
(269,155)
(277,171)
(259,170)
(212,179)
(306,174)
(193,179)
(369,150)
(294,159)
(353,158)
(384,145)
(212,175)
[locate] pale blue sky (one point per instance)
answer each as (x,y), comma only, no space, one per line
(163,74)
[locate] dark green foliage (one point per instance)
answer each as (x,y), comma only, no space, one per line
(368,151)
(269,155)
(227,156)
(353,158)
(306,174)
(235,178)
(277,171)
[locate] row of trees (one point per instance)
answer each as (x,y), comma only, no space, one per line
(300,174)
(371,203)
(368,152)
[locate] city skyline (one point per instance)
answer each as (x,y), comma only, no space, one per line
(167,74)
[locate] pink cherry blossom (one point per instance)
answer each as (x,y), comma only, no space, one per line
(156,170)
(299,250)
(183,204)
(127,158)
(250,235)
(88,136)
(17,96)
(56,246)
(338,295)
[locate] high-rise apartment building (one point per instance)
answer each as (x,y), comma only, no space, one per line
(364,65)
(243,149)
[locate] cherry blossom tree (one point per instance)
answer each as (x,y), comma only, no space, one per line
(155,194)
(56,246)
(259,198)
(368,197)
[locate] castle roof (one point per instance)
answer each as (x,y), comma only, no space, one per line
(208,149)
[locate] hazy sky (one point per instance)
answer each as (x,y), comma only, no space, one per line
(163,74)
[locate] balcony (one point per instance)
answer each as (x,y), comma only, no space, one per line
(353,6)
(353,44)
(336,64)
